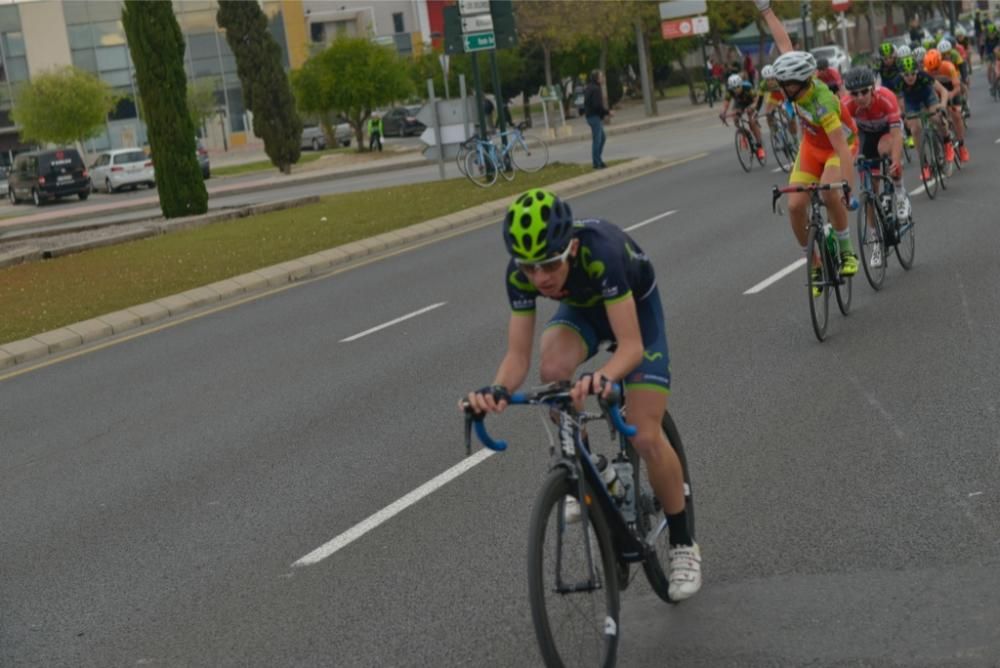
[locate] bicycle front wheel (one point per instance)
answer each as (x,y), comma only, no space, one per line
(529,153)
(744,149)
(652,523)
(480,168)
(572,581)
(871,242)
(928,168)
(819,305)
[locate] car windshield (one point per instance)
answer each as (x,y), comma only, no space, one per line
(412,111)
(131,156)
(825,52)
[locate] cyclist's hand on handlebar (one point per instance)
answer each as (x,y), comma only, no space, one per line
(491,399)
(590,383)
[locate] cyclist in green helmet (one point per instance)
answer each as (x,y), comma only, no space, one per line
(607,293)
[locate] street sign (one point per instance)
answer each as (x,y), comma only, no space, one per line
(677,8)
(479,41)
(470,7)
(477,23)
(505,34)
(449,112)
(680,28)
(841,5)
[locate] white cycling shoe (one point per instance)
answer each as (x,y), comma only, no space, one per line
(685,572)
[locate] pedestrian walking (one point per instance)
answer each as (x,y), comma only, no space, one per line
(375,132)
(596,112)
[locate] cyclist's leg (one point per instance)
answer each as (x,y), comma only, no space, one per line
(751,112)
(807,170)
(568,340)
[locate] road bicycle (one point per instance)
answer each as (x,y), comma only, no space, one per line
(786,148)
(479,159)
(746,145)
(821,244)
(578,566)
(931,152)
(950,136)
(880,232)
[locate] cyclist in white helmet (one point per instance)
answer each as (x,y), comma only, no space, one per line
(742,94)
(829,142)
(775,102)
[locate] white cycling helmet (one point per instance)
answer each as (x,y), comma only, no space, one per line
(734,81)
(794,66)
(767,72)
(918,55)
(903,52)
(959,31)
(944,46)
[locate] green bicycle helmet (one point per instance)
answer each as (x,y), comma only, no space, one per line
(538,225)
(888,49)
(909,64)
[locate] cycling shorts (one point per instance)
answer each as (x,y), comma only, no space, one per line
(813,160)
(869,144)
(914,105)
(593,327)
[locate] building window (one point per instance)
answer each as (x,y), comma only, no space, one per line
(397,22)
(316,32)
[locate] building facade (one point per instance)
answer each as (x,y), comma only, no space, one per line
(41,35)
(404,24)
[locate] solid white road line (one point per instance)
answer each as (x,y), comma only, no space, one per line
(393,322)
(775,278)
(393,509)
(917,191)
(650,220)
(997,141)
(776,170)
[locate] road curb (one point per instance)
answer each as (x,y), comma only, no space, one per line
(290,271)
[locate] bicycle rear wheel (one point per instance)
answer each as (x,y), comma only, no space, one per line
(819,307)
(572,580)
(744,149)
(779,143)
(871,242)
(906,242)
(529,153)
(843,287)
(937,150)
(480,168)
(652,523)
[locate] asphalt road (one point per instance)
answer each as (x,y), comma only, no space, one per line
(158,491)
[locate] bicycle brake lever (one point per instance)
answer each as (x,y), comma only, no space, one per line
(468,434)
(775,196)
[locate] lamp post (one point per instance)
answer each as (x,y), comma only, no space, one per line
(805,25)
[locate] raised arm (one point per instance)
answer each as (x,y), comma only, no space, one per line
(774,24)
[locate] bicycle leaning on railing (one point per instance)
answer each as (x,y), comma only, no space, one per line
(481,161)
(879,229)
(821,244)
(585,536)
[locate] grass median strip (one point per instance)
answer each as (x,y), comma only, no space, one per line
(41,296)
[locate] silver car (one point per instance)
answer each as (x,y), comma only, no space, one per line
(313,137)
(122,168)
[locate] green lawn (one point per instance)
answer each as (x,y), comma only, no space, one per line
(45,295)
(266,166)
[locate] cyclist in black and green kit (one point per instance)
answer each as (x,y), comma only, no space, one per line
(607,292)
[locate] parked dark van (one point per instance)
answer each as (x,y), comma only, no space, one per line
(48,175)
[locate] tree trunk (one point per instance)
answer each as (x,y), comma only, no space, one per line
(687,79)
(547,55)
(526,107)
(603,66)
(649,68)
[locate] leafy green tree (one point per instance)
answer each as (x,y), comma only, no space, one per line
(201,101)
(266,90)
(62,106)
(157,47)
(352,77)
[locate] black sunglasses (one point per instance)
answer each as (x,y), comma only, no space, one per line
(859,93)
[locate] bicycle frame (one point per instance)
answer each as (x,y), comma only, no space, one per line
(573,455)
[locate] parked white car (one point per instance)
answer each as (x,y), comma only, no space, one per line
(121,168)
(835,55)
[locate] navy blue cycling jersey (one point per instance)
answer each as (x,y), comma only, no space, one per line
(890,75)
(743,96)
(609,266)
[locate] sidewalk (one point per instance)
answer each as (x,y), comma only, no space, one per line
(628,111)
(629,117)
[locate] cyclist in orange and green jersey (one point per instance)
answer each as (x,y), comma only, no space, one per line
(829,142)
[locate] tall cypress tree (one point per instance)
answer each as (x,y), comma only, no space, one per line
(266,91)
(157,47)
